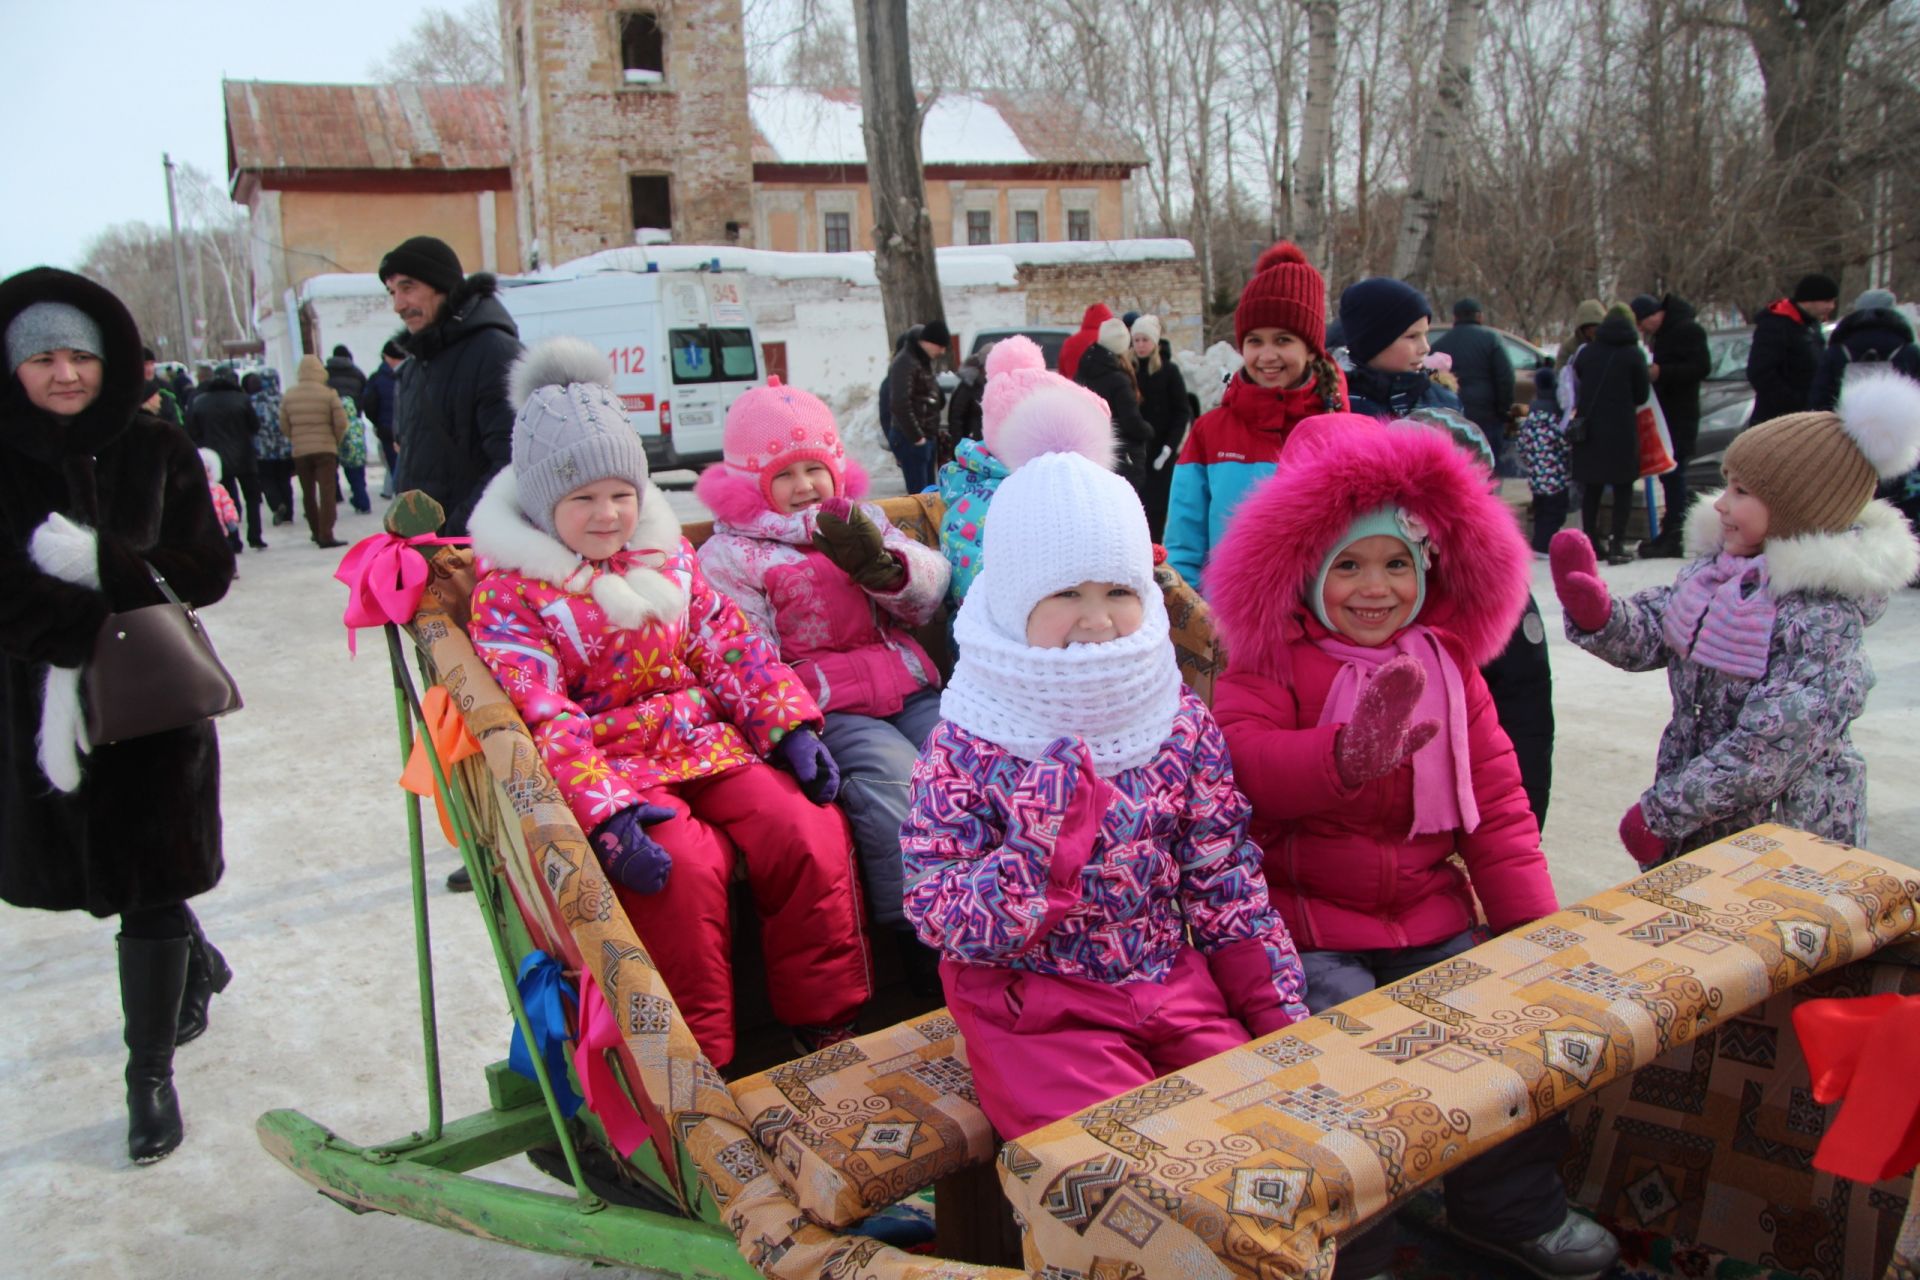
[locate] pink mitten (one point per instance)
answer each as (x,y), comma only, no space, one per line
(1379,738)
(838,508)
(1648,849)
(1576,580)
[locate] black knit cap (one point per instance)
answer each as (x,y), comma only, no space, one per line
(1816,288)
(427,259)
(935,331)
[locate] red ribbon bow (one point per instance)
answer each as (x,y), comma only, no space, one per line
(385,576)
(1861,1053)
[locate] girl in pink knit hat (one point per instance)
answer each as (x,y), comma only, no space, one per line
(838,589)
(1015,370)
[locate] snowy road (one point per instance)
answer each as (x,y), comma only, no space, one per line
(314,915)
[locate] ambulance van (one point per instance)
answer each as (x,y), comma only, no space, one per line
(681,345)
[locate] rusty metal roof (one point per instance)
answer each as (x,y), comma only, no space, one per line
(274,126)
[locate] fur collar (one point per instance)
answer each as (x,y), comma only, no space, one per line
(510,542)
(1876,557)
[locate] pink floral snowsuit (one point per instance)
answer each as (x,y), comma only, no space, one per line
(680,712)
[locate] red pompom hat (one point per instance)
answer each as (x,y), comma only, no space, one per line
(1285,293)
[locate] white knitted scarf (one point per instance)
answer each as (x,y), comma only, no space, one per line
(1120,696)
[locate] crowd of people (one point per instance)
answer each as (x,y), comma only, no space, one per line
(1064,841)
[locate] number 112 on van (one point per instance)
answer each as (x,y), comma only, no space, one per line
(628,359)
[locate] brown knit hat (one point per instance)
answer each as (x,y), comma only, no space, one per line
(1817,471)
(1285,293)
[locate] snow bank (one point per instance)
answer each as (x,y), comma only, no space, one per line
(977,271)
(342,284)
(805,127)
(1060,252)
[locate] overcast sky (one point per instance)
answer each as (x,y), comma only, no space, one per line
(93,91)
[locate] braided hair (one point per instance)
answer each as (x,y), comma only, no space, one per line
(1326,380)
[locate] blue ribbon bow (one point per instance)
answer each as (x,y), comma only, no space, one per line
(548,997)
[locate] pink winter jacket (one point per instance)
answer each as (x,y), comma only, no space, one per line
(641,675)
(1340,865)
(851,647)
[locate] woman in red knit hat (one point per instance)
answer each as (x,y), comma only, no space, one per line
(1286,375)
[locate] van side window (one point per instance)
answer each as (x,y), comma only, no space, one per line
(713,355)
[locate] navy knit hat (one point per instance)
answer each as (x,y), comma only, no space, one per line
(1816,288)
(1465,309)
(1644,305)
(1376,311)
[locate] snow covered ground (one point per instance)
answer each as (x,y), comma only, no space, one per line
(314,913)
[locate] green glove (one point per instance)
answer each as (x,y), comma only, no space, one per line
(847,536)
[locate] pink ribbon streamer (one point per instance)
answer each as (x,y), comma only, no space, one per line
(385,576)
(626,1128)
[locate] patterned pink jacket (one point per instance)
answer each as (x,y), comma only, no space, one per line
(631,673)
(1170,857)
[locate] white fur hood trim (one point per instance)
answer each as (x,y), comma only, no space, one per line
(506,538)
(1876,557)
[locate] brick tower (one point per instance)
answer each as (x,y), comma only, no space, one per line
(627,114)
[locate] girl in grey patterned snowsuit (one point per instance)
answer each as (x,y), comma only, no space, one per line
(1762,633)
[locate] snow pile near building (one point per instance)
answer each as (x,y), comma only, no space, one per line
(805,126)
(858,413)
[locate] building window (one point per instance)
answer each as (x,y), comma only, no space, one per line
(839,232)
(642,49)
(979,226)
(1079,224)
(652,201)
(1026,226)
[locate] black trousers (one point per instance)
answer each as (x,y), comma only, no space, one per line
(1622,510)
(248,484)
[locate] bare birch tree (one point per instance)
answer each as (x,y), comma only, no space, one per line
(903,258)
(1420,218)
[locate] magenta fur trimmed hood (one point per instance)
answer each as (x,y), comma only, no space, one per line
(1336,468)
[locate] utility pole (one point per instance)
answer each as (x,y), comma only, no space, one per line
(179,267)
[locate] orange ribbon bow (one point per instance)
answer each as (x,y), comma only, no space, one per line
(450,740)
(1861,1053)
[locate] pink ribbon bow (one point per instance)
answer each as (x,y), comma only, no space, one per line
(385,576)
(626,1128)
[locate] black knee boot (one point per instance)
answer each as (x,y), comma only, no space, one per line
(208,973)
(152,973)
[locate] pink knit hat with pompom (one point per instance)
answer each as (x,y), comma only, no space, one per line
(1016,369)
(768,430)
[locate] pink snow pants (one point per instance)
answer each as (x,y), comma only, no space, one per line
(800,867)
(1043,1047)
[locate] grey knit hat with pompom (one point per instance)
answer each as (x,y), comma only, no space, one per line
(569,429)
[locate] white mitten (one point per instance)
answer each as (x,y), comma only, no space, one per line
(67,551)
(1166,451)
(71,553)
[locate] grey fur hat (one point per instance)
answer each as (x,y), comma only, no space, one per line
(569,428)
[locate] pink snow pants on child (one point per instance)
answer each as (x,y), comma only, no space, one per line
(805,888)
(1043,1047)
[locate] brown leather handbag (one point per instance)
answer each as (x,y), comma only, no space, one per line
(154,669)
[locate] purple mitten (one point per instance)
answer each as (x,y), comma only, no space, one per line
(632,857)
(1576,580)
(802,754)
(1648,849)
(1380,737)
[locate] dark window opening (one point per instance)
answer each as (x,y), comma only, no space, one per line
(839,232)
(642,48)
(1026,226)
(1079,224)
(979,226)
(652,200)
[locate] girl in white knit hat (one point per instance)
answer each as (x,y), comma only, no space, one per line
(1073,819)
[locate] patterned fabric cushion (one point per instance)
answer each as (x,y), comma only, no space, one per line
(1712,1145)
(857,1126)
(1251,1163)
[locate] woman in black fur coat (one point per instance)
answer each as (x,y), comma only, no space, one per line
(92,492)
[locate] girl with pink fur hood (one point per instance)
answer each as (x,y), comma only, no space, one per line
(836,589)
(1357,593)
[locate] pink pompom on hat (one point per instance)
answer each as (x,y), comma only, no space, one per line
(768,430)
(1016,369)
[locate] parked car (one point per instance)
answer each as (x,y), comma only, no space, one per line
(1726,402)
(1525,357)
(1047,336)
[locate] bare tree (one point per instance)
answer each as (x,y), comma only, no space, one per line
(448,47)
(1316,136)
(890,116)
(1420,218)
(821,57)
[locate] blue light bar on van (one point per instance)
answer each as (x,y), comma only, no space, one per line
(716,264)
(652,267)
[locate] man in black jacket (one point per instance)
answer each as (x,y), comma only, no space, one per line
(380,403)
(1484,371)
(913,418)
(453,422)
(344,376)
(221,418)
(1681,362)
(1787,346)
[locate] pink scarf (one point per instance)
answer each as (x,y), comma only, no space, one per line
(1443,797)
(1721,615)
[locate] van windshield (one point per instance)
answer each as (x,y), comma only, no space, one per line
(713,355)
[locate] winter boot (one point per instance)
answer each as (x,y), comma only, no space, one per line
(1617,552)
(208,974)
(152,973)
